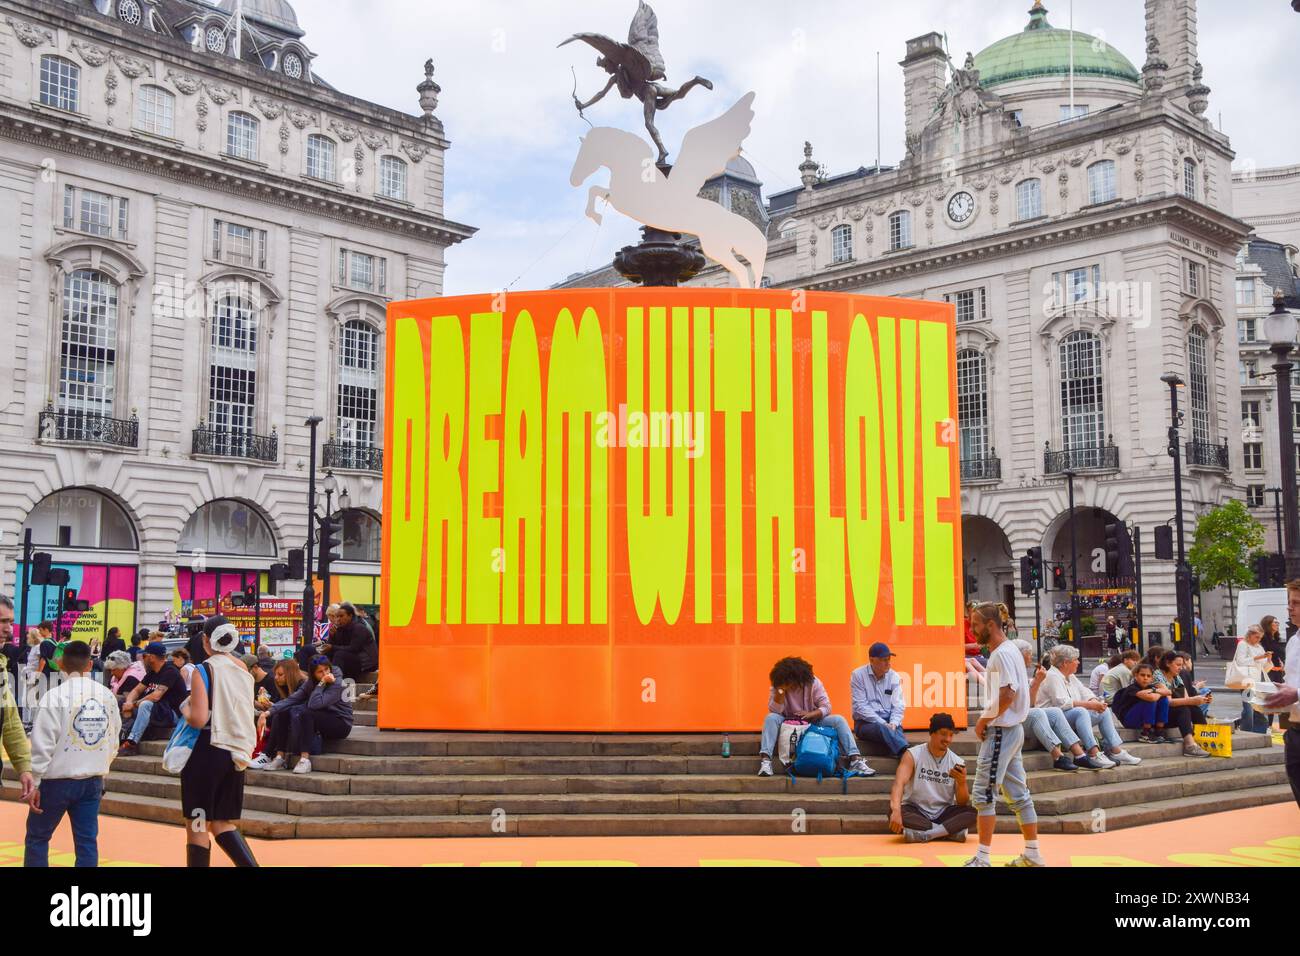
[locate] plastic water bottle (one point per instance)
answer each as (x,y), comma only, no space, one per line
(726,745)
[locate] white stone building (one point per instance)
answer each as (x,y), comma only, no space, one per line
(202,237)
(1089,246)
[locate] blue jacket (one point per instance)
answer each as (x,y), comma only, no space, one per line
(330,698)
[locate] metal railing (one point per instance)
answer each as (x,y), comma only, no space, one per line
(1103,457)
(1207,454)
(348,455)
(71,425)
(986,468)
(231,443)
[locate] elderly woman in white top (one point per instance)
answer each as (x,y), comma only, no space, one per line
(1252,663)
(1086,712)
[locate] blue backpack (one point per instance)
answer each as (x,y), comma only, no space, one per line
(817,754)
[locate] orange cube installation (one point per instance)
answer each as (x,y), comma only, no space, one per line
(615,509)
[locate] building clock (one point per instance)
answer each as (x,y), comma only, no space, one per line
(961,207)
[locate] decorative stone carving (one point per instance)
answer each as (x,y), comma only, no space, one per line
(375,141)
(1046,164)
(856,212)
(939,192)
(202,121)
(1120,147)
(284,139)
(1008,175)
(415,151)
(914,199)
(132,67)
(1064,180)
(993,201)
(1076,157)
(110,96)
(428,91)
(345,131)
(1182,143)
(29,34)
(267,107)
(185,82)
(981,183)
(94,55)
(880,208)
(823,220)
(301,118)
(221,95)
(360,155)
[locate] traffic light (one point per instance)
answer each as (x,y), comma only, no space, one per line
(331,538)
(1119,550)
(250,595)
(1164,542)
(1036,566)
(1058,577)
(70,602)
(278,573)
(41,568)
(297,563)
(1026,576)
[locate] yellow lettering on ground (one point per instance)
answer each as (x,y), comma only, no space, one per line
(868,861)
(1107,861)
(586,863)
(748,862)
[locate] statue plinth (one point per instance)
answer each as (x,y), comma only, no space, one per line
(660,258)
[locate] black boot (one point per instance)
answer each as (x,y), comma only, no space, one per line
(196,855)
(235,847)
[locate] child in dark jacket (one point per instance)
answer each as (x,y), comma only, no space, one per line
(321,705)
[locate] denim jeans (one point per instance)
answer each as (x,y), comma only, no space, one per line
(1050,728)
(79,799)
(1253,722)
(882,735)
(149,712)
(1144,713)
(772,730)
(1083,721)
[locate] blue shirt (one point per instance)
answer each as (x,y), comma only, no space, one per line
(877,701)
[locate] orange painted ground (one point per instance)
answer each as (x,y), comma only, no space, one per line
(1260,836)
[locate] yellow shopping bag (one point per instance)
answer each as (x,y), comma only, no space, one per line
(1215,738)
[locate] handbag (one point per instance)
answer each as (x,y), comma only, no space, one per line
(788,742)
(181,745)
(1234,678)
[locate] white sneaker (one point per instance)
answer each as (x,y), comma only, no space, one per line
(1024,860)
(765,767)
(976,861)
(278,763)
(302,766)
(260,762)
(1126,758)
(915,836)
(1105,761)
(859,766)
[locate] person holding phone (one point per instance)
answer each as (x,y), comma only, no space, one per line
(930,799)
(1184,707)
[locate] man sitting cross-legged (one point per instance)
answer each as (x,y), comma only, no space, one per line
(930,799)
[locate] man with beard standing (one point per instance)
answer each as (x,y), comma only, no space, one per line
(1002,737)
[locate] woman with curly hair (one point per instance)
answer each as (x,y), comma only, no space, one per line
(797,694)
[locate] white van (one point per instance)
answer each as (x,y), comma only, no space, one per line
(1254,605)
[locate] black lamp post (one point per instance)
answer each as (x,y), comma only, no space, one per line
(1277,515)
(1182,573)
(1075,633)
(331,486)
(1280,331)
(308,592)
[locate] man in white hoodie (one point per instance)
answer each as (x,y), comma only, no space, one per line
(74,740)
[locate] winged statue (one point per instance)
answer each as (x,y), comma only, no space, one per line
(636,67)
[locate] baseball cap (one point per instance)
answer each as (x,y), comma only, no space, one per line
(940,722)
(880,649)
(156,648)
(250,660)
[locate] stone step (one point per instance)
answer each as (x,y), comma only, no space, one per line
(1175,808)
(1107,796)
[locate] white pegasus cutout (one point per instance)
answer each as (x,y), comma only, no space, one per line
(639,189)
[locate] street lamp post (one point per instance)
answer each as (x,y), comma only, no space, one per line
(1277,516)
(1074,565)
(1280,331)
(308,592)
(1182,573)
(331,485)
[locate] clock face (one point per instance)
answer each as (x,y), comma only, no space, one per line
(293,66)
(961,207)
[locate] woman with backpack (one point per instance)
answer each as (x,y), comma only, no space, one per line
(797,694)
(212,783)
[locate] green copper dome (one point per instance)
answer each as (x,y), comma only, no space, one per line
(1043,50)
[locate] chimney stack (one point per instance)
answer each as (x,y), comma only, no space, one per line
(925,77)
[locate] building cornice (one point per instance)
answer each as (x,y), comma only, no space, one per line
(70,135)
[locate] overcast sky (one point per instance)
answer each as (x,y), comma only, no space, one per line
(507,93)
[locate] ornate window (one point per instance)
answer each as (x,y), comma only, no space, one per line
(216,39)
(973,404)
(293,66)
(1189,178)
(900,230)
(81,518)
(227,526)
(363,272)
(321,162)
(1076,285)
(1198,383)
(1083,418)
(842,243)
(88,343)
(241,136)
(95,213)
(238,245)
(392,178)
(1101,182)
(128,11)
(155,111)
(60,83)
(971,305)
(358,389)
(1029,199)
(232,367)
(361,537)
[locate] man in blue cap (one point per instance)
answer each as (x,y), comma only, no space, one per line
(154,703)
(878,703)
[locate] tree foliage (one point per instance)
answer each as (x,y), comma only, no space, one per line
(1223,543)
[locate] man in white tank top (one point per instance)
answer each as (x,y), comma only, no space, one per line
(930,799)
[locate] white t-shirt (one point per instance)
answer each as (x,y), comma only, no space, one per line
(1293,672)
(1094,679)
(1007,669)
(930,788)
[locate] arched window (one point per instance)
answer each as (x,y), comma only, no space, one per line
(358,397)
(900,230)
(392,178)
(789,229)
(60,83)
(129,12)
(321,161)
(1198,383)
(88,344)
(227,526)
(81,518)
(155,111)
(1189,178)
(1083,417)
(973,404)
(232,372)
(842,243)
(361,537)
(1101,181)
(1029,199)
(241,136)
